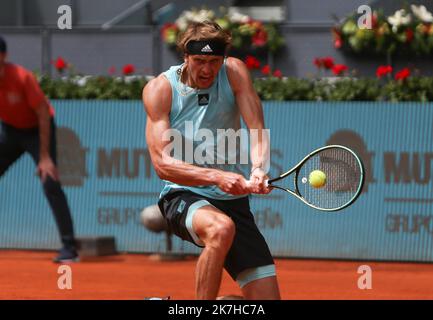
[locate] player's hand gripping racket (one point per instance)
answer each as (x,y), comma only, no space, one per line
(328,179)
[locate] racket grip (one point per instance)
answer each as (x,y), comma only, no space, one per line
(249,183)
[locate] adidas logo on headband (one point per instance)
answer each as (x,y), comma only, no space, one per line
(206,48)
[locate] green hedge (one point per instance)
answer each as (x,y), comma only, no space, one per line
(99,88)
(418,89)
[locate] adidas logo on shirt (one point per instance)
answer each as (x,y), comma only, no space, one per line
(206,48)
(203,99)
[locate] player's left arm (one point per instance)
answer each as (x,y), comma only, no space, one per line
(251,111)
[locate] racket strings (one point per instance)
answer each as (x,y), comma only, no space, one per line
(343,177)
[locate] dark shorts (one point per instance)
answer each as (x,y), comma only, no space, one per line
(249,250)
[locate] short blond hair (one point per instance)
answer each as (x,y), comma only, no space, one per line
(206,30)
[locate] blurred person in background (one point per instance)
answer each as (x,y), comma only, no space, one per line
(27,125)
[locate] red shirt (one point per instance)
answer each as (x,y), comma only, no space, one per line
(20,96)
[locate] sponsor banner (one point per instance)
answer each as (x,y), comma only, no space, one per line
(108,177)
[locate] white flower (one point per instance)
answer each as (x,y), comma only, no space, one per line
(79,80)
(400,18)
(182,23)
(129,79)
(204,15)
(82,82)
(422,13)
(237,17)
(193,16)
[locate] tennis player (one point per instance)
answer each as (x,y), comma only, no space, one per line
(207,204)
(27,125)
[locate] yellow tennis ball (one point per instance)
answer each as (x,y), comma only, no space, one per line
(317,179)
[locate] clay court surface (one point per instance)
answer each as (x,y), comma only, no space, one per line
(32,275)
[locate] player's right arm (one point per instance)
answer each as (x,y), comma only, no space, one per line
(157,103)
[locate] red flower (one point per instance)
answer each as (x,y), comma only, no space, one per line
(255,24)
(60,64)
(427,27)
(128,69)
(374,21)
(252,63)
(338,69)
(318,62)
(336,34)
(409,35)
(277,73)
(112,70)
(166,28)
(383,71)
(260,38)
(328,62)
(266,70)
(403,74)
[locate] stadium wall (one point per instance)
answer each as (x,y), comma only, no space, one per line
(109,179)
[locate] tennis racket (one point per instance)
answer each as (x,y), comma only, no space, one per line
(342,184)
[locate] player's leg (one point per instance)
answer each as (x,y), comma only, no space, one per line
(55,196)
(9,149)
(249,260)
(216,230)
(262,289)
(195,219)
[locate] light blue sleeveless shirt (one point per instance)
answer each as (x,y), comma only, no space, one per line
(194,111)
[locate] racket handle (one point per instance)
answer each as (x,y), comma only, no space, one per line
(249,183)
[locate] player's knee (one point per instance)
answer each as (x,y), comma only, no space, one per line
(221,233)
